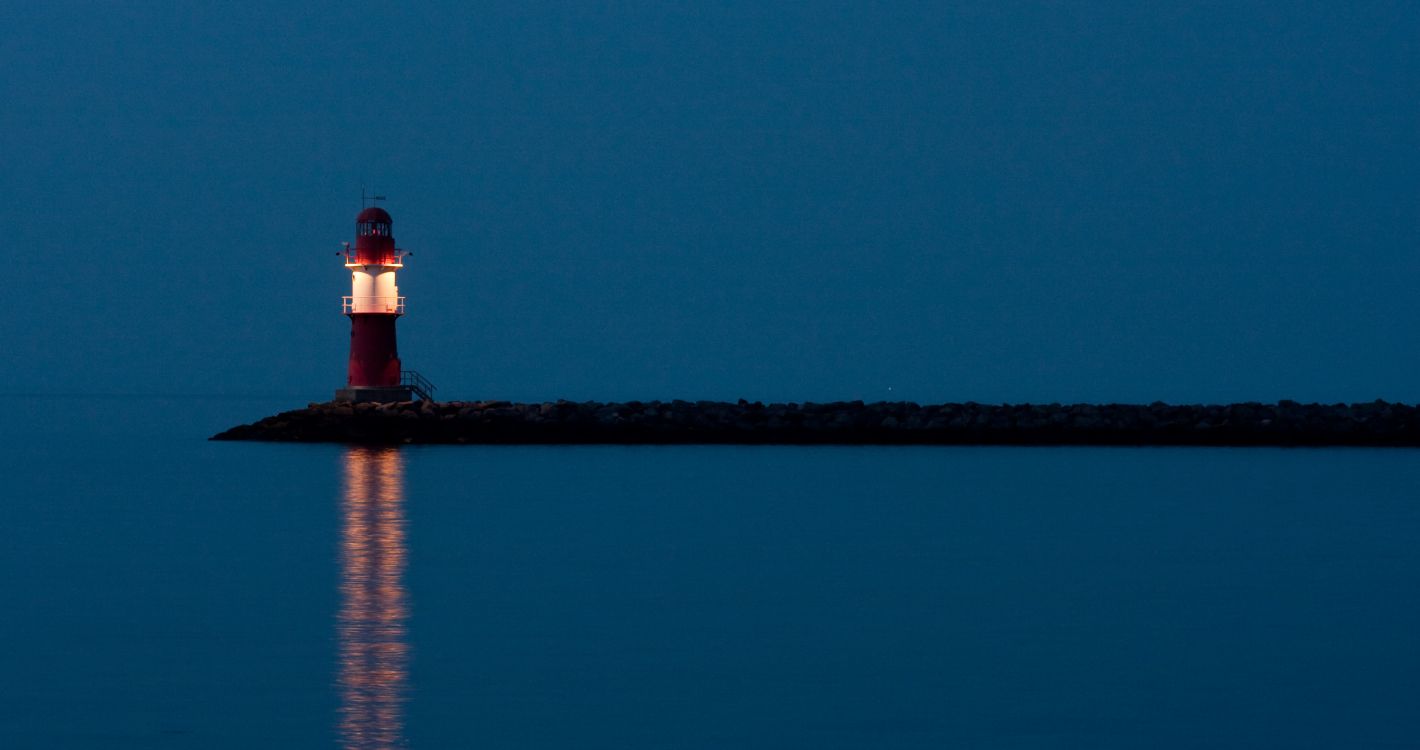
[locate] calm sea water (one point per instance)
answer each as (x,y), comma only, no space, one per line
(161,591)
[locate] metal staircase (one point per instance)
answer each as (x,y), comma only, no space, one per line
(417,383)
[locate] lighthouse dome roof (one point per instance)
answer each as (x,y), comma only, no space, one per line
(374,214)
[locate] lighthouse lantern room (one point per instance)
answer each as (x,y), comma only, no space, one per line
(373,306)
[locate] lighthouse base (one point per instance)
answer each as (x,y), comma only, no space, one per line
(377,394)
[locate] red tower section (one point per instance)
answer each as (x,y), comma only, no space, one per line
(373,306)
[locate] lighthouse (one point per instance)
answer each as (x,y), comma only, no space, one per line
(373,306)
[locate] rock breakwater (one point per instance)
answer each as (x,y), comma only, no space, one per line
(1286,423)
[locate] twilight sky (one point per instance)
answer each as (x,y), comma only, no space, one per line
(989,201)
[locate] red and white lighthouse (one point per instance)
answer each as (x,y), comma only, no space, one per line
(373,306)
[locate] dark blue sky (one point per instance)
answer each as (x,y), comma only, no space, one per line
(991,201)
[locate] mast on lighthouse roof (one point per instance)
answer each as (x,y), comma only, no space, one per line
(373,306)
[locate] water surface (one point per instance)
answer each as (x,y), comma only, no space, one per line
(163,591)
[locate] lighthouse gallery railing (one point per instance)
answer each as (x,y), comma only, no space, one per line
(372,305)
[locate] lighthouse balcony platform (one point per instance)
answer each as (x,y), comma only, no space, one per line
(387,305)
(352,261)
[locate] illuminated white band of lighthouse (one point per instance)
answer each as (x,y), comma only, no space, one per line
(373,289)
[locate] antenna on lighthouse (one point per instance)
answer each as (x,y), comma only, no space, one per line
(369,200)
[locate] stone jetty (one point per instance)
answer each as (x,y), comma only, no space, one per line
(1285,423)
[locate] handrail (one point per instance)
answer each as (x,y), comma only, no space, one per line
(350,304)
(417,383)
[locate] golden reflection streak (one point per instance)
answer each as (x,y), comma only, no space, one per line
(374,650)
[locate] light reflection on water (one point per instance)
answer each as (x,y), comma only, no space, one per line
(698,597)
(374,644)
